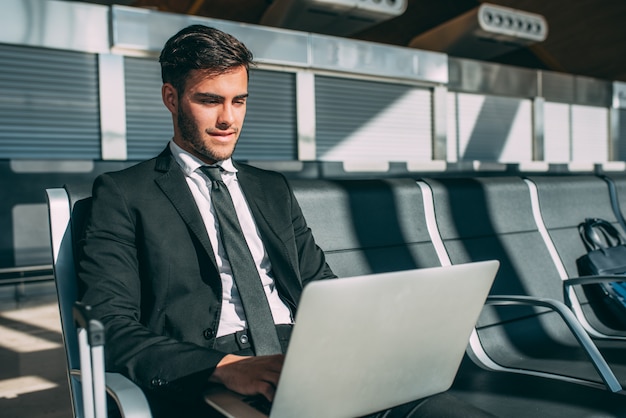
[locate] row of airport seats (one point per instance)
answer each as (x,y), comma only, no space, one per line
(529,355)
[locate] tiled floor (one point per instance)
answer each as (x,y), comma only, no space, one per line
(33,381)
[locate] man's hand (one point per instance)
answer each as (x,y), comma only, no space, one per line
(249,375)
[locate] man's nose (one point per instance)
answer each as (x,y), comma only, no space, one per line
(225,117)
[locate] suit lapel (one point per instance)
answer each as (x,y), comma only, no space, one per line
(173,184)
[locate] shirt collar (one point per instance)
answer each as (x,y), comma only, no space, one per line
(190,163)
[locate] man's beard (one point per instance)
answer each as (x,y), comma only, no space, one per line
(191,135)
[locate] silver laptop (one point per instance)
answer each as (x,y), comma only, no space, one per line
(368,343)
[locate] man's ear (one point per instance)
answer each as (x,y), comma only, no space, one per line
(170,98)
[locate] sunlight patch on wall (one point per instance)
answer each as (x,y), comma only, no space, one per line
(492,128)
(397,133)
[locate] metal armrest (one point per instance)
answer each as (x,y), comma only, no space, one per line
(572,301)
(128,396)
(479,355)
(575,281)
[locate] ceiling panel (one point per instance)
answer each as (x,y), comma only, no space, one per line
(586,37)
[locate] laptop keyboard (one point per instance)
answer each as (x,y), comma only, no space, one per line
(260,403)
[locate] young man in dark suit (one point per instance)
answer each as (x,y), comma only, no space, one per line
(156,263)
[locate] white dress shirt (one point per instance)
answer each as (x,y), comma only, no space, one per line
(232,318)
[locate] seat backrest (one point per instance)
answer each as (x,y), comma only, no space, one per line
(617,192)
(485,218)
(367,226)
(67,209)
(564,202)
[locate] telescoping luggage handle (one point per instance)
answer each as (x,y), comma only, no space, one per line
(91,350)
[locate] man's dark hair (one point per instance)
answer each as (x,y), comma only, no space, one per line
(199,47)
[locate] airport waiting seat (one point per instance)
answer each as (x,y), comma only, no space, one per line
(563,202)
(617,191)
(67,208)
(516,395)
(526,326)
(367,226)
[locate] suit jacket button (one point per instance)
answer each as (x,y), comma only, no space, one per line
(208,334)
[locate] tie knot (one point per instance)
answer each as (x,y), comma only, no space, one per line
(212,172)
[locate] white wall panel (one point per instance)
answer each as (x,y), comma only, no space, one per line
(452,143)
(557,132)
(621,134)
(493,128)
(590,134)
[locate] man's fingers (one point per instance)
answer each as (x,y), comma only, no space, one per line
(250,375)
(268,390)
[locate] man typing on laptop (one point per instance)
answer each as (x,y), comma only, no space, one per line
(195,263)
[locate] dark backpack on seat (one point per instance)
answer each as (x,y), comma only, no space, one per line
(606,256)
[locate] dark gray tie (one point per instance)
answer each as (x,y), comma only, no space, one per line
(255,305)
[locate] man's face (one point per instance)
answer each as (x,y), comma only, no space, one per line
(209,115)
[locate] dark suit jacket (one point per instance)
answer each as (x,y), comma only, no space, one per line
(150,273)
